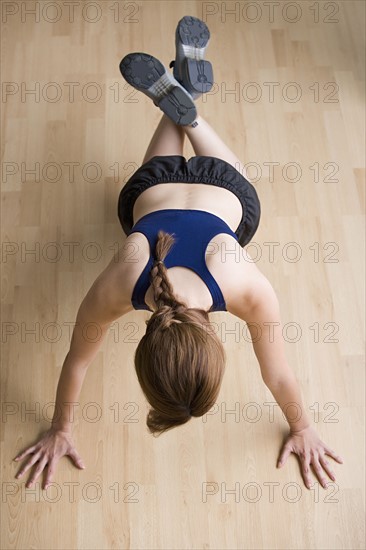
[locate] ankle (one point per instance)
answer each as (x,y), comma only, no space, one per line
(193,124)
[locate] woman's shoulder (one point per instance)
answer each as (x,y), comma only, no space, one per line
(134,250)
(117,280)
(236,272)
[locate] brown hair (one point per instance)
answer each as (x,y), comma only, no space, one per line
(179,362)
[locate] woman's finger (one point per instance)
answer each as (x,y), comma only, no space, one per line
(37,472)
(76,458)
(27,465)
(25,453)
(285,453)
(50,471)
(324,462)
(333,454)
(319,472)
(305,463)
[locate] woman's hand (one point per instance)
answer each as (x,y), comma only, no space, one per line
(311,450)
(53,445)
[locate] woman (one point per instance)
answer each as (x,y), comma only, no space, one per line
(186,225)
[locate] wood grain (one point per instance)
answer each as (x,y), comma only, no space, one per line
(60,229)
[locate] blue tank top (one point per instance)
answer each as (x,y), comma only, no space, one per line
(192,230)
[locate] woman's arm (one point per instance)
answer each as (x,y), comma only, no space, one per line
(92,324)
(261,312)
(107,300)
(264,324)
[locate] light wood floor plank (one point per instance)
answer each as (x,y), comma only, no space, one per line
(212,483)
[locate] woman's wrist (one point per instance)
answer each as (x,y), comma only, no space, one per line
(61,428)
(302,423)
(62,417)
(297,429)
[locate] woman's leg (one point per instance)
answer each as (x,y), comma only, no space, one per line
(168,139)
(207,143)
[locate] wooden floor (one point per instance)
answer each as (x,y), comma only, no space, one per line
(289,99)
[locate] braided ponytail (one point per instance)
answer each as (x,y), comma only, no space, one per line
(179,362)
(169,307)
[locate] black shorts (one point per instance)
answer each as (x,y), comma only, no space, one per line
(206,170)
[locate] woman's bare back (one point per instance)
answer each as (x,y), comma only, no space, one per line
(224,255)
(194,196)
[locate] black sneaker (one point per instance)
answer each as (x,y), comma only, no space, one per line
(145,73)
(190,69)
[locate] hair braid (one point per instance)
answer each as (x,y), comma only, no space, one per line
(163,291)
(179,366)
(167,303)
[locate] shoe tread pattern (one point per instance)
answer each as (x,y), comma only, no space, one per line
(141,70)
(193,32)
